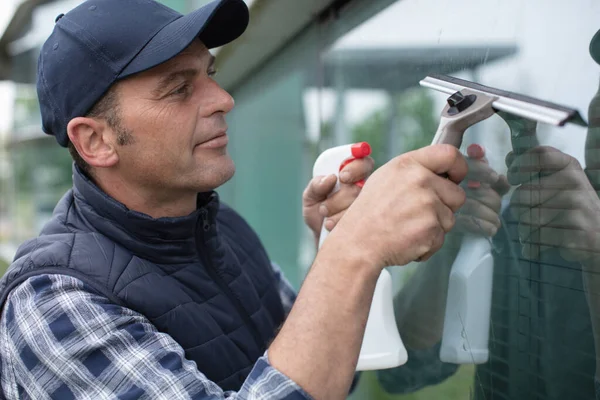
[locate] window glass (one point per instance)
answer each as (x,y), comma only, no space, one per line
(542,300)
(271,146)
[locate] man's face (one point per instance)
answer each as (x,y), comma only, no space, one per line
(175,114)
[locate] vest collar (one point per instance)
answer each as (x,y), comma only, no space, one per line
(166,240)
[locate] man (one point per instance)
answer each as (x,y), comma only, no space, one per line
(143,285)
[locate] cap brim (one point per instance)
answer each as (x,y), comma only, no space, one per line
(216,24)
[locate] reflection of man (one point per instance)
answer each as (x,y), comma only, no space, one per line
(143,285)
(546,280)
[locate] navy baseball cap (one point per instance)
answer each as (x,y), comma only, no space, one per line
(102,41)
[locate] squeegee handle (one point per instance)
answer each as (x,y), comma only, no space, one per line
(449,132)
(523,132)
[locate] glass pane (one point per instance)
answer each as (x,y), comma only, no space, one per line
(270,144)
(538,342)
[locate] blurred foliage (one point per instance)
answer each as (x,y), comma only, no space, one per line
(373,131)
(42,174)
(414,113)
(40,165)
(458,387)
(43,161)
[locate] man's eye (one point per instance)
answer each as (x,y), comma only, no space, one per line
(212,72)
(182,90)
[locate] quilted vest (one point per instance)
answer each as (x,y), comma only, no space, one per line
(204,279)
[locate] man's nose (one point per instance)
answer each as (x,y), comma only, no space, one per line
(223,101)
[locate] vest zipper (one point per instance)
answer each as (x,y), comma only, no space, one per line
(235,300)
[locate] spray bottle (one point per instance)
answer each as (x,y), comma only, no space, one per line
(382,347)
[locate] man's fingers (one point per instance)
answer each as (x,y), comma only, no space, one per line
(593,175)
(573,244)
(479,168)
(501,186)
(357,170)
(481,172)
(318,189)
(439,241)
(510,158)
(476,151)
(473,225)
(331,221)
(541,158)
(341,200)
(446,217)
(552,218)
(536,216)
(563,238)
(442,159)
(487,196)
(533,251)
(568,178)
(538,162)
(476,209)
(451,194)
(529,196)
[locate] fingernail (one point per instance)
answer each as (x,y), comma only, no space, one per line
(323,210)
(323,179)
(473,184)
(344,176)
(475,151)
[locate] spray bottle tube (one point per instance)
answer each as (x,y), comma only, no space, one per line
(382,347)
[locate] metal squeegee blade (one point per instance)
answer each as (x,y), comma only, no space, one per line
(514,103)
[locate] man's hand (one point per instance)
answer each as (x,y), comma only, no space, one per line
(315,204)
(401,214)
(405,208)
(484,189)
(555,204)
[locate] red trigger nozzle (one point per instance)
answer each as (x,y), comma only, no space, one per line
(361,150)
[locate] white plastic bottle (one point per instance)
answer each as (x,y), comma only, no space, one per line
(332,161)
(382,346)
(469,301)
(468,306)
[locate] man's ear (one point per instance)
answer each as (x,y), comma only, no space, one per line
(92,139)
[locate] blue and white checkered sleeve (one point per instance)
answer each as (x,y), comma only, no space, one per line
(61,340)
(288,297)
(286,290)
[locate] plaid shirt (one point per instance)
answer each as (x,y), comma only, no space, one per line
(59,339)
